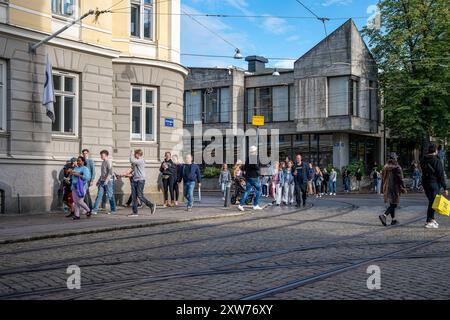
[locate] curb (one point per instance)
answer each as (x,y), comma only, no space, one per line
(130,227)
(123,227)
(117,228)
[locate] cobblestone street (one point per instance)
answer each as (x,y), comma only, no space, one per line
(318,252)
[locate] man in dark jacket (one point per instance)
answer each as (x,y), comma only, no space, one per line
(300,179)
(433,179)
(252,174)
(190,174)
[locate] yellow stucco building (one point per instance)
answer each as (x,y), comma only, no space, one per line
(117,80)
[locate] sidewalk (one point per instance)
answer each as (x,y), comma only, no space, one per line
(21,228)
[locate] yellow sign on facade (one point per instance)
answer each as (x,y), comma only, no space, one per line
(258,120)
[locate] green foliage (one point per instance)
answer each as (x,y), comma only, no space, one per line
(353,167)
(412,51)
(211,172)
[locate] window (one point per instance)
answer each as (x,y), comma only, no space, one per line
(354,101)
(343,95)
(280,103)
(192,106)
(63,7)
(274,103)
(143,117)
(208,105)
(66,103)
(3,99)
(141,24)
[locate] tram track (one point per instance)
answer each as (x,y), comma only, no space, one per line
(124,283)
(57,264)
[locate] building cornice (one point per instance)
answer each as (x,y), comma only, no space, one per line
(152,63)
(33,35)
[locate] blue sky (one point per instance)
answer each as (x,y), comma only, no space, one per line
(270,37)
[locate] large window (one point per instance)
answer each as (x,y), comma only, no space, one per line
(63,7)
(66,103)
(141,24)
(143,113)
(274,103)
(209,105)
(3,100)
(343,95)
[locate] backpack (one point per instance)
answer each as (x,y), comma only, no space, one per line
(80,187)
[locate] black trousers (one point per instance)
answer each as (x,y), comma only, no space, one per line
(300,194)
(137,192)
(176,190)
(431,191)
(391,210)
(168,188)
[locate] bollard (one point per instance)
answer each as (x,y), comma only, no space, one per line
(227,197)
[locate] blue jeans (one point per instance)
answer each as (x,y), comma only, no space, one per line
(188,192)
(332,186)
(137,192)
(252,182)
(109,188)
(346,184)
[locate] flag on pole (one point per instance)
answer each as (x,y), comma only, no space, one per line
(49,92)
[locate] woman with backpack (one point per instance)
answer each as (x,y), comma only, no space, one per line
(80,179)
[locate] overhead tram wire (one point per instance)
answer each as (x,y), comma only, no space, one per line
(222,15)
(323,20)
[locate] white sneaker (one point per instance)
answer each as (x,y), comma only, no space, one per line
(94,212)
(431,225)
(257,207)
(435,222)
(241,208)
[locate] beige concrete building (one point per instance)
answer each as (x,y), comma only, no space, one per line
(325,108)
(117,79)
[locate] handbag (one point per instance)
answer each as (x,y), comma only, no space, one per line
(441,205)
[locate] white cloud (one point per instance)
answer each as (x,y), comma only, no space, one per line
(328,3)
(276,25)
(293,38)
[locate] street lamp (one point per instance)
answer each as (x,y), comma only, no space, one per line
(237,54)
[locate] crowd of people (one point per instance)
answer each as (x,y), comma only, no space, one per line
(288,182)
(79,176)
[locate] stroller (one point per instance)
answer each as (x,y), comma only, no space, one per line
(238,190)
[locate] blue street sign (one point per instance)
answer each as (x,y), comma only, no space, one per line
(168,122)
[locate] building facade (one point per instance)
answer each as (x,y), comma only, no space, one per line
(325,108)
(117,76)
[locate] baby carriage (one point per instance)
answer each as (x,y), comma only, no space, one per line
(238,190)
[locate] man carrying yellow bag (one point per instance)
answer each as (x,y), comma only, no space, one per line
(433,180)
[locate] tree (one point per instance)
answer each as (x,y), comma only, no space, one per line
(412,50)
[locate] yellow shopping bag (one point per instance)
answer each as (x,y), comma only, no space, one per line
(441,205)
